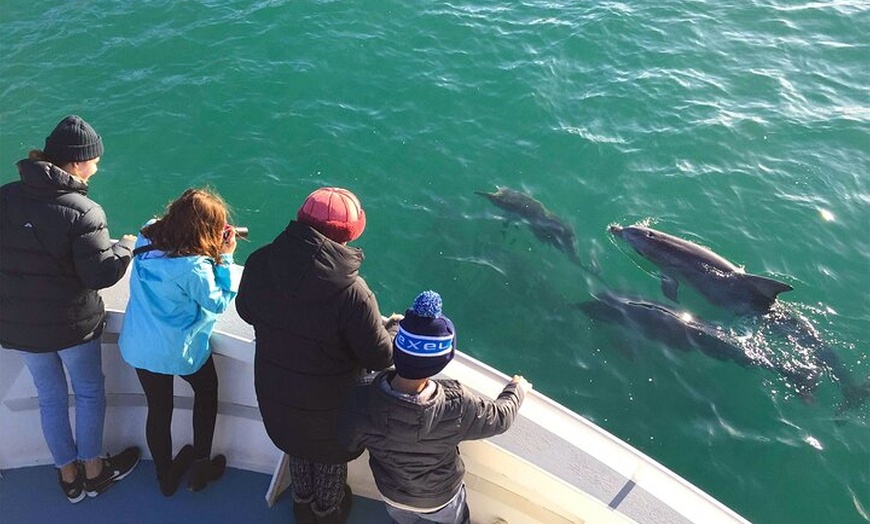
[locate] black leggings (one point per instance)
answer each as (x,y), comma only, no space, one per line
(160,394)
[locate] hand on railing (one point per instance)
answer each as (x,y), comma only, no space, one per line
(522,383)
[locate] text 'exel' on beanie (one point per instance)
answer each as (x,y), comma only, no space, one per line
(426,341)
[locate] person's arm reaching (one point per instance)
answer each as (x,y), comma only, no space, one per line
(492,417)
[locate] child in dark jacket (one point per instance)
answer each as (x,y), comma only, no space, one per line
(412,424)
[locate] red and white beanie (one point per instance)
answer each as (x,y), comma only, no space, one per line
(335,212)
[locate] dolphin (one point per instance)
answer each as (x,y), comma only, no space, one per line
(546,226)
(718,280)
(676,329)
(680,330)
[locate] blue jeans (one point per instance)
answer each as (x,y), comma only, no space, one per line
(455,512)
(85,367)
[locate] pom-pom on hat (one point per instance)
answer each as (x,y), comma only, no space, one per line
(73,140)
(426,341)
(335,212)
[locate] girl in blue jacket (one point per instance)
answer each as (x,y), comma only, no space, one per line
(181,281)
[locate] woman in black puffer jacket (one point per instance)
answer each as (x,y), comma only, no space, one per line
(55,253)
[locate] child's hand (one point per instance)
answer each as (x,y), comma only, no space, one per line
(523,384)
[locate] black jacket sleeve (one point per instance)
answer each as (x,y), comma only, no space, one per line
(354,419)
(99,263)
(245,290)
(364,330)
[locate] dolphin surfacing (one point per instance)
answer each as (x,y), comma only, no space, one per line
(718,280)
(545,225)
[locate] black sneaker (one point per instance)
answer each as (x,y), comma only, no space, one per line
(74,490)
(115,468)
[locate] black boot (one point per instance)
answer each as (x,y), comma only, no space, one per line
(345,504)
(205,471)
(340,514)
(303,514)
(180,464)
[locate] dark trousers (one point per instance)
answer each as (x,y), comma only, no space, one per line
(322,485)
(159,392)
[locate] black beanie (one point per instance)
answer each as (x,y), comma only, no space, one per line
(73,140)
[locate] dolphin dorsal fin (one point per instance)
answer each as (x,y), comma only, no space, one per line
(768,287)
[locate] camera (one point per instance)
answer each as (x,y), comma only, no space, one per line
(241,232)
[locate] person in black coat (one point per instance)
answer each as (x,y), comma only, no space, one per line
(55,253)
(318,329)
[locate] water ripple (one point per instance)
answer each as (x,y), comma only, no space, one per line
(740,126)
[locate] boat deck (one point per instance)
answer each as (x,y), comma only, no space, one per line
(31,496)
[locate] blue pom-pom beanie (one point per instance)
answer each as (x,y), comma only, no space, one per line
(426,341)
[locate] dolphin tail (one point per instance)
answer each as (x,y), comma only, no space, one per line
(592,268)
(854,397)
(767,289)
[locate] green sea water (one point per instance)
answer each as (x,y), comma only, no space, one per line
(743,126)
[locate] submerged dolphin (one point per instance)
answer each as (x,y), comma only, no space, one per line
(799,331)
(545,225)
(676,329)
(718,280)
